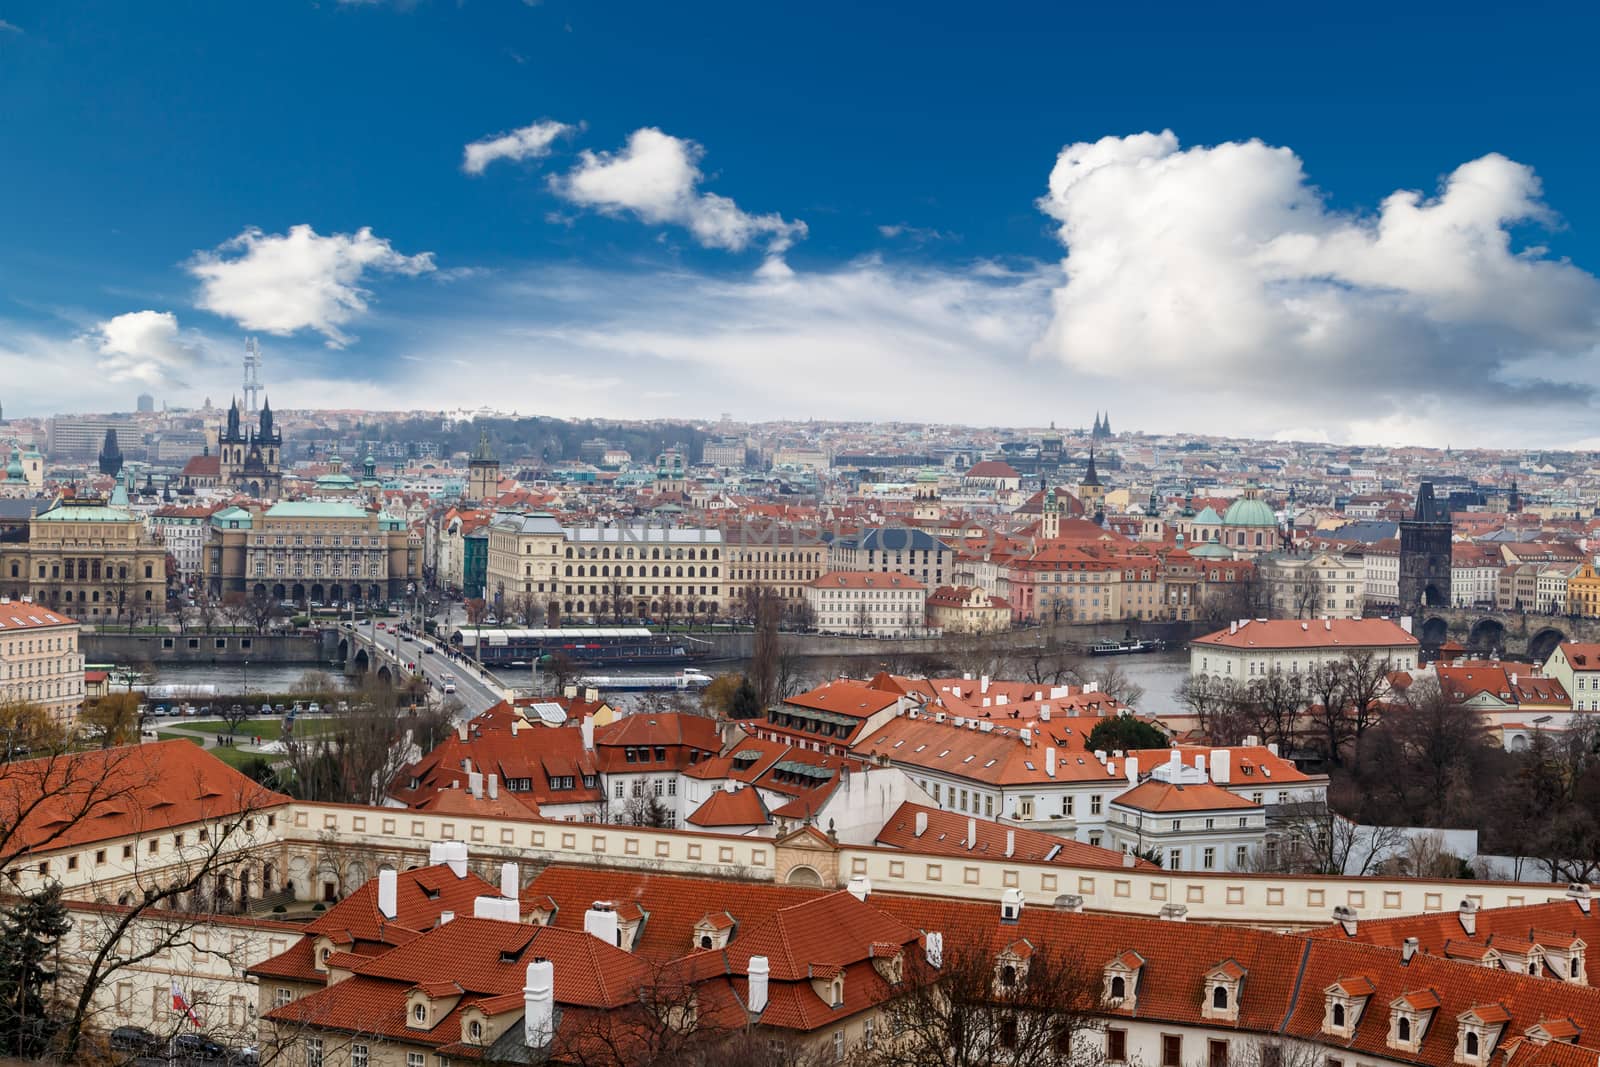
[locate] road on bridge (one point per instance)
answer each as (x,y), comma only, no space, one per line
(476,690)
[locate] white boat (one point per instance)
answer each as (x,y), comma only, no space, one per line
(688,678)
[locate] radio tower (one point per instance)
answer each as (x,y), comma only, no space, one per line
(252,381)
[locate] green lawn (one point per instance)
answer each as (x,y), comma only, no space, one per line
(233,757)
(266,729)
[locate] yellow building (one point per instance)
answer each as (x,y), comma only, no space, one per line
(39,660)
(967,610)
(304,550)
(90,559)
(1583,592)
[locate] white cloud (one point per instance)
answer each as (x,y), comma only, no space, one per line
(1221,270)
(145,347)
(9,27)
(526,142)
(282,283)
(656,177)
(915,234)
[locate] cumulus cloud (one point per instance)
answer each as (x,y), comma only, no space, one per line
(282,283)
(1222,268)
(525,142)
(145,347)
(656,177)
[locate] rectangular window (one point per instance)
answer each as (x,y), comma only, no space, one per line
(416,1059)
(1117,1046)
(1208,858)
(360,1056)
(1094,804)
(281,996)
(1171,1050)
(313,1052)
(1217,1054)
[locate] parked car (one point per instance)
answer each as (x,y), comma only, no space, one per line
(313,708)
(135,1039)
(197,1048)
(266,709)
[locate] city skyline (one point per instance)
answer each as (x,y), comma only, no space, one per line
(513,225)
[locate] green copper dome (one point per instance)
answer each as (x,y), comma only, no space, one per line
(1249,512)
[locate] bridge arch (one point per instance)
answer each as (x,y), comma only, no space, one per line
(363,661)
(1487,635)
(1544,642)
(344,650)
(384,675)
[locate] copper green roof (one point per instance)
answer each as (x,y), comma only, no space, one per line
(78,511)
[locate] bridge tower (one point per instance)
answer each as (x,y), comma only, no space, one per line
(1425,554)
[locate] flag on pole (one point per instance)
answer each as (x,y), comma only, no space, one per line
(181,1003)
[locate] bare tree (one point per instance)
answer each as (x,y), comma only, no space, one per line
(1050,663)
(764,657)
(1023,1004)
(1327,715)
(1365,681)
(861,618)
(258,610)
(357,757)
(1276,702)
(1309,837)
(1115,683)
(1218,705)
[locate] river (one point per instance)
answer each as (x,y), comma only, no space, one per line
(1159,674)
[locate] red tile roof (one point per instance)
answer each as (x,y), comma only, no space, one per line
(722,808)
(946,835)
(72,800)
(1165,797)
(1315,633)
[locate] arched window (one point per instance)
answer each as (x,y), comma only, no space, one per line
(1219,998)
(1403,1030)
(705,940)
(1119,987)
(1008,976)
(1472,1043)
(1338,1015)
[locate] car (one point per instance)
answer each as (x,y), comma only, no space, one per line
(313,708)
(281,709)
(135,1039)
(427,649)
(238,709)
(383,626)
(245,1056)
(449,687)
(266,709)
(161,709)
(197,1048)
(405,636)
(344,705)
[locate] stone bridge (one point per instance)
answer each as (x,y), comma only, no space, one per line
(1506,633)
(362,655)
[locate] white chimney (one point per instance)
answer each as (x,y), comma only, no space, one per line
(1050,762)
(1100,754)
(601,921)
(1132,767)
(494,787)
(461,732)
(921,823)
(516,725)
(510,880)
(1200,762)
(1327,624)
(388,893)
(1011,905)
(972,833)
(760,969)
(933,948)
(1044,712)
(1513,679)
(437,853)
(1233,627)
(570,691)
(587,726)
(1468,913)
(446,916)
(455,854)
(539,1004)
(1175,759)
(983,684)
(1222,766)
(1408,948)
(1347,918)
(1027,737)
(859,887)
(1578,892)
(475,783)
(505,909)
(1272,747)
(1405,623)
(1011,843)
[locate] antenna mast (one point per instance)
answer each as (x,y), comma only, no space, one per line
(252,379)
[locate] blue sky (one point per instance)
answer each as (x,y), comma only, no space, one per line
(834,210)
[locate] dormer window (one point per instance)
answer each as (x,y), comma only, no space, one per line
(1478,1029)
(1121,988)
(1011,968)
(1409,1015)
(1336,1017)
(475,1032)
(1224,984)
(1008,976)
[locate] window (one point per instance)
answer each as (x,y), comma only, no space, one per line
(1094,804)
(867,1033)
(360,1056)
(1216,1053)
(281,996)
(1338,1016)
(1272,1056)
(1008,1032)
(1472,1043)
(415,1059)
(1403,1029)
(419,1014)
(838,1044)
(1219,998)
(1171,1050)
(1119,987)
(1208,858)
(313,1052)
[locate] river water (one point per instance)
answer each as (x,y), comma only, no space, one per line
(1159,674)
